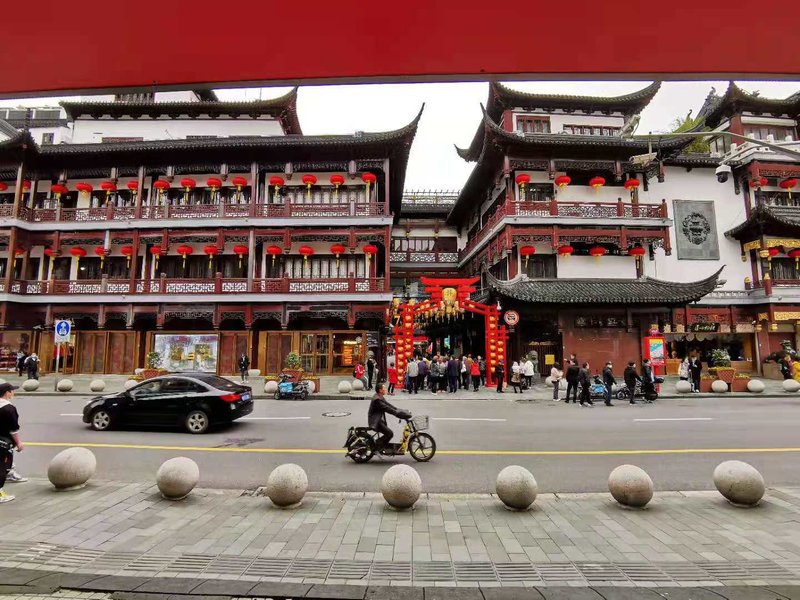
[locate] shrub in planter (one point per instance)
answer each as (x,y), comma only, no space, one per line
(722,365)
(291,366)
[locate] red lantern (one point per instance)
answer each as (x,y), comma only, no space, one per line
(795,254)
(632,184)
(239,182)
(156,251)
(58,190)
(50,252)
(636,251)
(185,251)
(565,250)
(788,185)
(18,251)
(276,182)
(370,249)
(101,252)
(3,187)
(369,179)
(162,186)
(338,249)
(78,253)
(527,252)
(758,182)
(26,185)
(214,183)
(187,183)
(597,182)
(772,252)
(337,180)
(522,180)
(211,251)
(306,251)
(127,252)
(84,188)
(110,187)
(133,186)
(240,250)
(563,181)
(309,180)
(597,251)
(274,251)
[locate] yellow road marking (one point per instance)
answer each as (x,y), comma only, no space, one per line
(445,452)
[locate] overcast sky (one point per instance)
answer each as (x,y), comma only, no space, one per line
(452,113)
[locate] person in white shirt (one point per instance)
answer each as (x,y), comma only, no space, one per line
(528,372)
(555,377)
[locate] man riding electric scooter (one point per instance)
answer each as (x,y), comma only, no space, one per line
(376,417)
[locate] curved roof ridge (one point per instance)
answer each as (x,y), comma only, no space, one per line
(646,92)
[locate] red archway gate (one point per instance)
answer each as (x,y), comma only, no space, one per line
(448,298)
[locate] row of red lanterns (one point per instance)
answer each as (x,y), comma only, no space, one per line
(563,181)
(566,250)
(787,184)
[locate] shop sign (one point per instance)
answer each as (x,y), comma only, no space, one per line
(655,350)
(549,359)
(707,327)
(511,317)
(600,322)
(745,328)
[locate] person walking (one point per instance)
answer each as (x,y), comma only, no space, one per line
(9,437)
(683,370)
(573,371)
(630,376)
(500,375)
(422,373)
(244,366)
(516,377)
(371,369)
(475,373)
(32,365)
(585,381)
(413,375)
(528,371)
(609,381)
(453,372)
(482,369)
(391,372)
(555,376)
(648,381)
(695,370)
(21,356)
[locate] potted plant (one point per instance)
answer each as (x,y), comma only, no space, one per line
(739,383)
(153,368)
(291,366)
(722,366)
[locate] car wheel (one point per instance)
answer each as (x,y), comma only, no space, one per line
(100,420)
(197,422)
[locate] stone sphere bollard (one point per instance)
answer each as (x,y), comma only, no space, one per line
(129,383)
(719,387)
(345,387)
(791,385)
(65,385)
(254,373)
(97,385)
(70,469)
(741,484)
(312,387)
(357,385)
(286,485)
(30,385)
(177,477)
(755,386)
(516,487)
(630,486)
(270,387)
(401,486)
(683,387)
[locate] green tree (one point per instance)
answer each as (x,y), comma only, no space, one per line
(698,145)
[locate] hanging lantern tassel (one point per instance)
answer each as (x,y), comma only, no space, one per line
(184,260)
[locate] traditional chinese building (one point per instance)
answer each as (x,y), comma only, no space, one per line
(199,229)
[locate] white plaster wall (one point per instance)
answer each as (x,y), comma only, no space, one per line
(182,96)
(558,120)
(90,131)
(605,267)
(62,135)
(729,211)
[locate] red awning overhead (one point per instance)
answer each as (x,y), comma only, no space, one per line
(101,45)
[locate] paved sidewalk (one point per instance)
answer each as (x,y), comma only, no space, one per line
(682,539)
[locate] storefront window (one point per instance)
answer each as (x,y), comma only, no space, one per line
(12,342)
(181,352)
(347,349)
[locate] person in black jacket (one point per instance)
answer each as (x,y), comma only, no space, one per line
(585,381)
(608,381)
(376,416)
(244,366)
(9,437)
(573,371)
(500,375)
(648,381)
(631,377)
(453,373)
(695,369)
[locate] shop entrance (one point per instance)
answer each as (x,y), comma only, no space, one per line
(449,301)
(322,352)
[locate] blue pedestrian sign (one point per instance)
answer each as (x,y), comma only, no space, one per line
(63,330)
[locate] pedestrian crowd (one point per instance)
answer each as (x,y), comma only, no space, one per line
(582,387)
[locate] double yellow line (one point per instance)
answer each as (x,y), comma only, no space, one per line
(443,452)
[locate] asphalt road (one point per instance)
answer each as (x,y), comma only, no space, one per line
(568,448)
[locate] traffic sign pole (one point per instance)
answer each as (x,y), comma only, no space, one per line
(58,356)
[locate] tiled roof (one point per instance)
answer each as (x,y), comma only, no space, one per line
(765,217)
(717,107)
(602,291)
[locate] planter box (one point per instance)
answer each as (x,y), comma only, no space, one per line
(772,371)
(705,385)
(726,374)
(739,384)
(148,373)
(296,373)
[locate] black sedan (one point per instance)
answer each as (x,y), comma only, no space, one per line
(194,402)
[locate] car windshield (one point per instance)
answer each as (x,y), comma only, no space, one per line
(218,382)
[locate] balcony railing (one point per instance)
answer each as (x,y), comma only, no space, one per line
(164,285)
(197,211)
(578,210)
(423,256)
